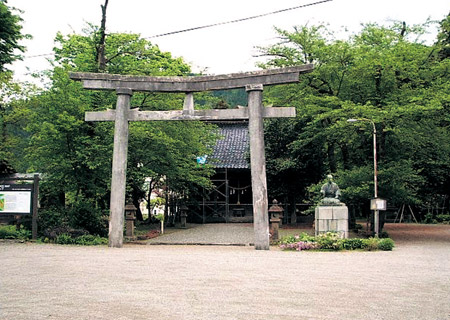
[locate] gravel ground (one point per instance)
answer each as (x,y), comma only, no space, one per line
(225,282)
(201,234)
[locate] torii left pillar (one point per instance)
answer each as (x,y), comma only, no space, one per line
(258,167)
(119,168)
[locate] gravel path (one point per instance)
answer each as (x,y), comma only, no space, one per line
(218,234)
(223,282)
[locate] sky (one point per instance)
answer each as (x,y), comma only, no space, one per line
(224,49)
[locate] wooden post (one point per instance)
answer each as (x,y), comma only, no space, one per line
(258,167)
(119,168)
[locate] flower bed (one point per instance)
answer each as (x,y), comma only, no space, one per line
(332,241)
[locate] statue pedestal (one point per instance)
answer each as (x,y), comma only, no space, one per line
(332,218)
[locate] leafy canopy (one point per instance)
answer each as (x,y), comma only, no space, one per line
(385,74)
(76,156)
(10,35)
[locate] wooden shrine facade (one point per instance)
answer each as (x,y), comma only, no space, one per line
(230,200)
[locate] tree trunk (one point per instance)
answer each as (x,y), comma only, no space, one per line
(291,207)
(166,207)
(136,197)
(101,45)
(139,216)
(149,198)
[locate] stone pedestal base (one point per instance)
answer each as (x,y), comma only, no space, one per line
(183,221)
(332,218)
(274,228)
(129,228)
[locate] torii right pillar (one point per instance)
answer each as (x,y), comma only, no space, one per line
(258,167)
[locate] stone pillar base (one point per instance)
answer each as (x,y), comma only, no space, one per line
(331,219)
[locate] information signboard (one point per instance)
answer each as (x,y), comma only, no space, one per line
(378,204)
(16,198)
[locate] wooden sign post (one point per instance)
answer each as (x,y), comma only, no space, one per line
(252,81)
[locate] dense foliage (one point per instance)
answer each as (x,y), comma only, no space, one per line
(12,232)
(383,74)
(85,240)
(10,35)
(75,156)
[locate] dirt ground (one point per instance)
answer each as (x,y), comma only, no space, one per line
(412,232)
(221,282)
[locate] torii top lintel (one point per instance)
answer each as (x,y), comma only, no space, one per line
(102,81)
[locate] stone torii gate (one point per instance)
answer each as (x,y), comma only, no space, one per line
(253,83)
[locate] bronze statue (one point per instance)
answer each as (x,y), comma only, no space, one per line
(331,193)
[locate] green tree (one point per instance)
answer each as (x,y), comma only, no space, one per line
(384,74)
(10,35)
(76,155)
(443,39)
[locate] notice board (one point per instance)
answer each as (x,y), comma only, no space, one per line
(16,198)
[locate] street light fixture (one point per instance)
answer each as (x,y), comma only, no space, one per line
(375,171)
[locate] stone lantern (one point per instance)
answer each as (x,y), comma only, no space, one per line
(183,214)
(275,210)
(130,216)
(276,214)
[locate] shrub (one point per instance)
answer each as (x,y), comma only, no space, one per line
(351,244)
(443,218)
(51,218)
(90,240)
(289,239)
(428,218)
(370,244)
(85,240)
(301,237)
(23,233)
(55,232)
(440,218)
(329,241)
(299,246)
(332,241)
(64,239)
(7,232)
(385,244)
(299,242)
(54,221)
(84,215)
(12,232)
(384,234)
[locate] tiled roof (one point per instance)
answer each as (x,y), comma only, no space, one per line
(232,150)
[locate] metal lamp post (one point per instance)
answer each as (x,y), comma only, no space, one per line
(375,171)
